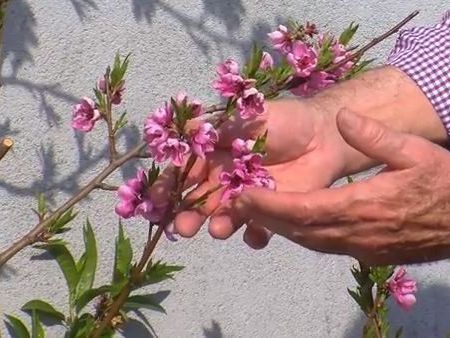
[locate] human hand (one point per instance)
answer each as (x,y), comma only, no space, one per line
(304,152)
(397,217)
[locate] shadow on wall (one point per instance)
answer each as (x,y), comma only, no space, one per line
(214,332)
(429,318)
(229,13)
(19,36)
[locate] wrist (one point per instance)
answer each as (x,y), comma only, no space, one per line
(386,95)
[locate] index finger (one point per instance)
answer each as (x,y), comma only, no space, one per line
(325,206)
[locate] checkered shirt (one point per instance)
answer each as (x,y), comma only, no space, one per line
(423,53)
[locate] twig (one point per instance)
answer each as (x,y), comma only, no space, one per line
(136,271)
(296,81)
(5,146)
(374,42)
(107,187)
(109,119)
(215,108)
(33,235)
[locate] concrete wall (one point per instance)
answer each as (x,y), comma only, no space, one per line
(54,51)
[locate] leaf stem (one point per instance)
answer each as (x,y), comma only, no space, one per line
(109,119)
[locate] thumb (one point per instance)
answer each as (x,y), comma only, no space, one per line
(375,140)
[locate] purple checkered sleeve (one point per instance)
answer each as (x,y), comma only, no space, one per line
(423,53)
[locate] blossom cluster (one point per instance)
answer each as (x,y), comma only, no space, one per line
(232,84)
(248,171)
(311,56)
(165,135)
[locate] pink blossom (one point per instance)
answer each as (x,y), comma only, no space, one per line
(234,183)
(403,289)
(281,40)
(154,133)
(340,53)
(248,171)
(162,115)
(266,61)
(172,149)
(229,85)
(229,66)
(204,139)
(116,96)
(250,104)
(316,82)
(240,147)
(84,115)
(303,58)
(135,199)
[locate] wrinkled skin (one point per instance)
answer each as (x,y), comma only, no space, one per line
(397,217)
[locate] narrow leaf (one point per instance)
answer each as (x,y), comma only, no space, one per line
(18,327)
(37,331)
(89,295)
(87,272)
(43,307)
(123,256)
(348,34)
(143,302)
(82,326)
(159,272)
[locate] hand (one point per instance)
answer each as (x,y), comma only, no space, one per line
(400,216)
(304,152)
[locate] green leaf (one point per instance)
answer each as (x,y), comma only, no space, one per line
(37,331)
(326,54)
(348,34)
(57,227)
(143,302)
(18,327)
(66,263)
(82,326)
(358,68)
(42,204)
(260,144)
(153,174)
(159,272)
(89,295)
(121,122)
(123,256)
(43,307)
(87,271)
(255,60)
(117,287)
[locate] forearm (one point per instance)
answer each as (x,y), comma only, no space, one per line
(387,95)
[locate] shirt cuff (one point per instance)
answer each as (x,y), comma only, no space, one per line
(423,53)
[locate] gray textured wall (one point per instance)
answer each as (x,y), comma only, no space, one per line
(54,51)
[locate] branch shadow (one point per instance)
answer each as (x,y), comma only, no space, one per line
(19,36)
(83,7)
(214,332)
(430,317)
(49,181)
(229,13)
(131,137)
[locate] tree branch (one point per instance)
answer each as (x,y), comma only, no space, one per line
(297,81)
(5,146)
(34,234)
